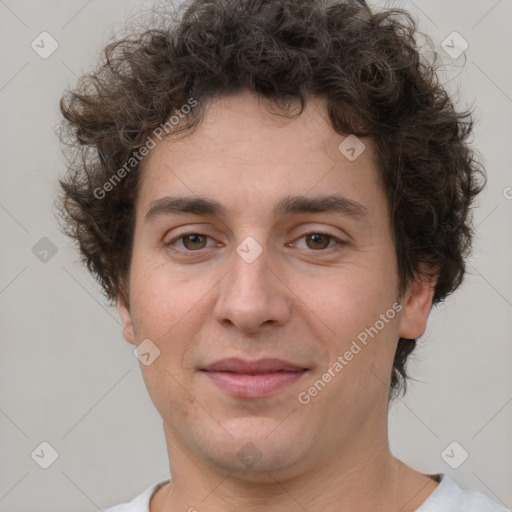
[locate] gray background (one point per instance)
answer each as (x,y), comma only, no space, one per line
(67,376)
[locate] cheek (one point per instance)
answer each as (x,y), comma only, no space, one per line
(346,299)
(166,310)
(344,314)
(161,298)
(171,310)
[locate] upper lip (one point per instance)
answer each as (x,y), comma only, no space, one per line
(267,365)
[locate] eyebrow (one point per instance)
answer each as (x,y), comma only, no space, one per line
(334,203)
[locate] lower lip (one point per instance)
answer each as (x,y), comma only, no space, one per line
(253,386)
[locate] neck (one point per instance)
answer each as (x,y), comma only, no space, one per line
(361,476)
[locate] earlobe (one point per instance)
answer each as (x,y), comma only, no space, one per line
(124,313)
(417,303)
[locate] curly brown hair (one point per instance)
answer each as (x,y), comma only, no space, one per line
(365,63)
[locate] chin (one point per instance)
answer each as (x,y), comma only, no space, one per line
(258,446)
(255,462)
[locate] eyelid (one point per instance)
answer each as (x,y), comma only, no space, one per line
(332,237)
(184,234)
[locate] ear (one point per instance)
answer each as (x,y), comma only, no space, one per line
(417,303)
(126,318)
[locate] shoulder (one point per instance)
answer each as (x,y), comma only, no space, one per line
(449,497)
(140,503)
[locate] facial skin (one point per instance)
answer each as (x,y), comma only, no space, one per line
(303,299)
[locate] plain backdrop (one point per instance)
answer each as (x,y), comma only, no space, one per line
(68,378)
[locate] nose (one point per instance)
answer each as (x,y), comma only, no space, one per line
(252,295)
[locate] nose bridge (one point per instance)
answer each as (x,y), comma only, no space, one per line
(251,295)
(249,267)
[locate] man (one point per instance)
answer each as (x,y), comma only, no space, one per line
(274,194)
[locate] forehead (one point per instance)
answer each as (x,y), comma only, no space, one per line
(241,152)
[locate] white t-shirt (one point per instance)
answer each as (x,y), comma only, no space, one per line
(447,497)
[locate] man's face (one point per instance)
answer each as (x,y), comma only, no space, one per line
(255,281)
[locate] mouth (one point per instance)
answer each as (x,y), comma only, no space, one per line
(253,379)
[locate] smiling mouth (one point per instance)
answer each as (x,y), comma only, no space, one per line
(253,379)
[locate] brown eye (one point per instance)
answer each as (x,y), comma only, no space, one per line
(194,241)
(317,240)
(187,243)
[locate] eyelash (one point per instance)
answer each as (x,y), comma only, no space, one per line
(327,249)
